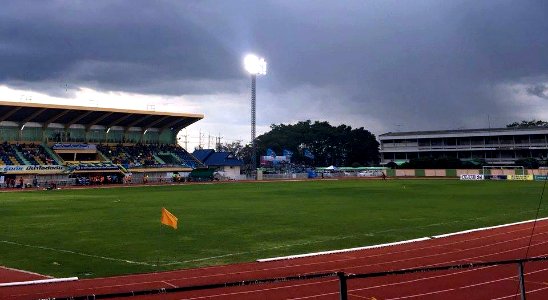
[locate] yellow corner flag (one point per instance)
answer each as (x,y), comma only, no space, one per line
(168,219)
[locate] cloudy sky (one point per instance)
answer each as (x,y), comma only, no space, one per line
(383,65)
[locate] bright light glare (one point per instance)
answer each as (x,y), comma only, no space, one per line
(255,65)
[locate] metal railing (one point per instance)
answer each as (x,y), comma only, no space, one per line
(342,277)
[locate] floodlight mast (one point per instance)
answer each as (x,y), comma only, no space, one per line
(255,66)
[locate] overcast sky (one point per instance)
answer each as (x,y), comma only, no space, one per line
(382,65)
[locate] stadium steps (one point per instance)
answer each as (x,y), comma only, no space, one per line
(20,156)
(52,154)
(170,158)
(103,156)
(158,159)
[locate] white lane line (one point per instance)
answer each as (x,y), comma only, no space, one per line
(25,271)
(171,285)
(517,295)
(336,238)
(267,269)
(487,228)
(343,250)
(427,278)
(512,278)
(395,243)
(260,290)
(301,265)
(40,281)
(421,295)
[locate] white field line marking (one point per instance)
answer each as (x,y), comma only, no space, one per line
(25,271)
(78,253)
(202,259)
(41,281)
(343,250)
(392,244)
(169,263)
(291,286)
(325,262)
(410,250)
(487,228)
(283,267)
(252,291)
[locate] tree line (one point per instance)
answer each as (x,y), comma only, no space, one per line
(329,145)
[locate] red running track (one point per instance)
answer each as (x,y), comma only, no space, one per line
(14,275)
(497,282)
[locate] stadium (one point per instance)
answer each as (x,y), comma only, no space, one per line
(46,144)
(85,187)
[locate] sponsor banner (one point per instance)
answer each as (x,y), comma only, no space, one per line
(496,177)
(541,177)
(74,147)
(520,177)
(33,169)
(271,161)
(471,177)
(94,167)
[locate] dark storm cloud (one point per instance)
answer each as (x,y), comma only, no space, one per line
(419,64)
(539,90)
(113,44)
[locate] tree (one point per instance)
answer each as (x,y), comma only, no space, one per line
(341,145)
(528,163)
(528,124)
(241,152)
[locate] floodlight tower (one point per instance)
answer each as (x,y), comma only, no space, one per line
(255,66)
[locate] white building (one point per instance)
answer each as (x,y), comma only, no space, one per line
(496,145)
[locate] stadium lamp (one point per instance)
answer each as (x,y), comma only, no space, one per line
(254,66)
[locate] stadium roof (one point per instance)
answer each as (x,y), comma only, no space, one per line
(211,158)
(467,131)
(22,112)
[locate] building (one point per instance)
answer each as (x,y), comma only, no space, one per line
(497,146)
(65,144)
(224,162)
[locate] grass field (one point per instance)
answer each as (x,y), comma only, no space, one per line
(102,232)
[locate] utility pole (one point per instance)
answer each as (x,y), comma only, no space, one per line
(200,139)
(218,142)
(186,139)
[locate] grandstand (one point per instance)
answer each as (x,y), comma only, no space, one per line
(67,144)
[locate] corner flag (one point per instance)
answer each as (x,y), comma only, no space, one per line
(168,219)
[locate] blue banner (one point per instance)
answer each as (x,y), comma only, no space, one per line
(288,153)
(308,154)
(270,152)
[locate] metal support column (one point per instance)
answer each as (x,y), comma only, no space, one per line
(343,290)
(253,123)
(521,281)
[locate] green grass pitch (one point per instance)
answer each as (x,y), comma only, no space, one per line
(103,232)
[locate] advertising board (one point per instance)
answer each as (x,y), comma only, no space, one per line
(471,177)
(520,177)
(33,169)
